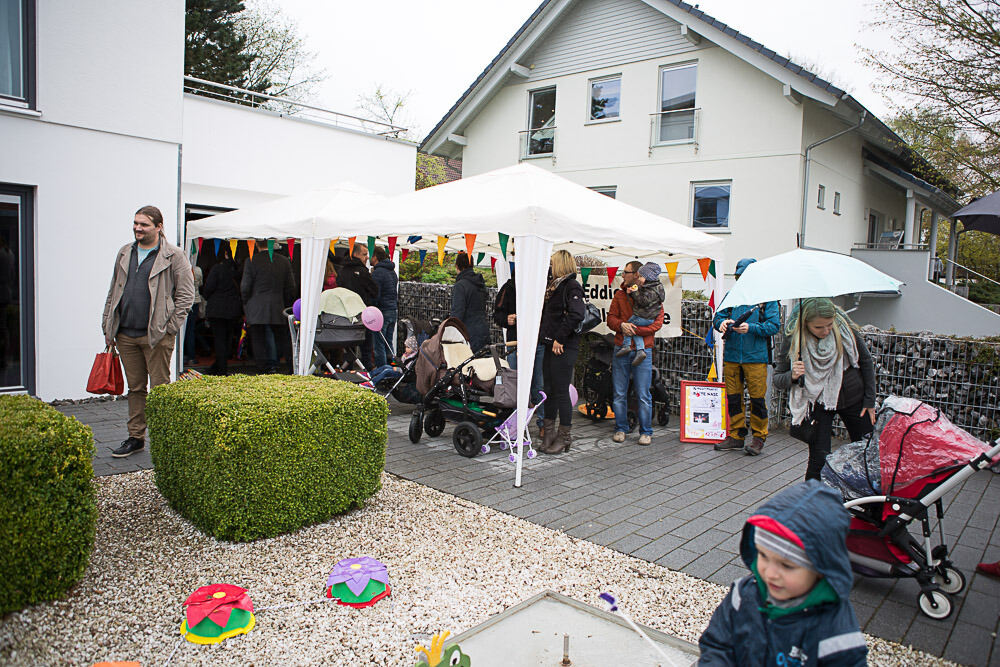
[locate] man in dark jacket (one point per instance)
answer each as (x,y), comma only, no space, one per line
(268,288)
(223,309)
(794,607)
(468,302)
(384,275)
(354,275)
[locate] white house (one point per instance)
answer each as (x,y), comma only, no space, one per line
(658,104)
(95,123)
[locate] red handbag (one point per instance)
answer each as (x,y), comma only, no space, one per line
(106,374)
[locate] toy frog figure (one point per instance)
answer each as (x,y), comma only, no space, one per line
(440,655)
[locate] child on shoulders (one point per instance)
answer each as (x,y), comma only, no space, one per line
(647,297)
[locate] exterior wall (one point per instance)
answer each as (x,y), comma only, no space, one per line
(747,132)
(222,168)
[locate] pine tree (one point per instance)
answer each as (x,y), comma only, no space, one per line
(214,49)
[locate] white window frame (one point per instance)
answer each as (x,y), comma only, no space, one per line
(607,190)
(836,203)
(728,229)
(821,198)
(659,99)
(525,134)
(590,96)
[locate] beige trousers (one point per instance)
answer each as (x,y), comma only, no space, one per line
(143,362)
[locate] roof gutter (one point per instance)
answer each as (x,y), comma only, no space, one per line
(805,175)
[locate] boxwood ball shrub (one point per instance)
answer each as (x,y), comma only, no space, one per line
(48,515)
(244,457)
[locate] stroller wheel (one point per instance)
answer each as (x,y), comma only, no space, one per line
(531,454)
(935,604)
(485,449)
(949,580)
(467,439)
(434,423)
(663,416)
(416,428)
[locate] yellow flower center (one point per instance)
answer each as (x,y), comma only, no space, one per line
(356,567)
(219,594)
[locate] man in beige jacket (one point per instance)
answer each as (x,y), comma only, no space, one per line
(152,290)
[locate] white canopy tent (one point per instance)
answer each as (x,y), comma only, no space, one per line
(522,210)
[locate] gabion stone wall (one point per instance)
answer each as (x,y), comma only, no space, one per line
(961,377)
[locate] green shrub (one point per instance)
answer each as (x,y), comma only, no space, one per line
(48,515)
(249,457)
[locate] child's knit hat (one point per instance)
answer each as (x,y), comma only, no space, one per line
(650,271)
(779,540)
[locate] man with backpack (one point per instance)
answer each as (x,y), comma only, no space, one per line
(745,360)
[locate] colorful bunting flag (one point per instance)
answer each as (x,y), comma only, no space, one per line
(333,245)
(194,247)
(402,254)
(371,246)
(218,242)
(512,268)
(392,247)
(470,242)
(503,244)
(232,247)
(413,239)
(350,245)
(585,274)
(703,264)
(671,271)
(270,249)
(493,263)
(712,373)
(291,248)
(479,257)
(612,271)
(442,241)
(251,246)
(423,255)
(710,284)
(200,241)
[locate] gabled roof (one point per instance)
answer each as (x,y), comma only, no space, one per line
(731,39)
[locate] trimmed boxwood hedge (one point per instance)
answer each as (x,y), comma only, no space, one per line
(245,457)
(48,515)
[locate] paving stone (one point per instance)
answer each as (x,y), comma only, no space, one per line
(676,559)
(706,564)
(658,548)
(980,610)
(693,528)
(612,533)
(969,645)
(891,621)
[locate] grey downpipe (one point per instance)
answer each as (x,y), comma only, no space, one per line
(805,175)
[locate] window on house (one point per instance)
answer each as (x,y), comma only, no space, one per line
(605,96)
(541,122)
(606,190)
(836,203)
(677,91)
(821,197)
(16,50)
(16,274)
(710,205)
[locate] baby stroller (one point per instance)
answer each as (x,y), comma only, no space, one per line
(457,386)
(598,389)
(337,327)
(891,480)
(506,435)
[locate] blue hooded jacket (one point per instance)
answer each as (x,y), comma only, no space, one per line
(751,347)
(742,632)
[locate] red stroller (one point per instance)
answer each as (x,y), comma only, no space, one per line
(891,480)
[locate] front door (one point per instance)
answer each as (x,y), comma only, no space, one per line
(17,344)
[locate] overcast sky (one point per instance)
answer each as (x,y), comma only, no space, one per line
(434,49)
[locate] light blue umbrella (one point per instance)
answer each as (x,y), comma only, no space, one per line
(801,274)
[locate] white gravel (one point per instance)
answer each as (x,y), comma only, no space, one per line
(452,564)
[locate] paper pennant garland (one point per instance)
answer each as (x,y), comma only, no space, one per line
(270,249)
(200,241)
(218,243)
(350,246)
(403,254)
(470,243)
(671,271)
(194,246)
(251,246)
(612,272)
(392,247)
(512,268)
(291,248)
(333,246)
(493,263)
(712,374)
(413,239)
(710,282)
(371,246)
(232,247)
(585,274)
(479,258)
(503,244)
(423,256)
(703,264)
(442,241)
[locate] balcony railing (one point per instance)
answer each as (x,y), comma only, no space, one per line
(538,142)
(287,107)
(680,126)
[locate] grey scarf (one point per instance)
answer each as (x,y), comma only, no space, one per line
(824,372)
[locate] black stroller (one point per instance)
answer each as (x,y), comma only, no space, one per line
(598,389)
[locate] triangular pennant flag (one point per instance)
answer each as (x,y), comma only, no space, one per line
(442,241)
(232,247)
(402,254)
(200,241)
(251,246)
(350,246)
(712,374)
(703,264)
(270,249)
(333,245)
(413,239)
(371,246)
(503,244)
(470,242)
(711,301)
(291,248)
(423,255)
(218,243)
(493,263)
(194,246)
(612,271)
(710,337)
(512,268)
(671,271)
(585,274)
(711,268)
(479,257)
(392,247)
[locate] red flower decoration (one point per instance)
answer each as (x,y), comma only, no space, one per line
(216,601)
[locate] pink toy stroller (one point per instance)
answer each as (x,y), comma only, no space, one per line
(506,435)
(891,480)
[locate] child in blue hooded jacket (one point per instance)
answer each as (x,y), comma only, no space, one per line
(793,609)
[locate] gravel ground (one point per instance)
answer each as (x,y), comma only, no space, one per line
(452,564)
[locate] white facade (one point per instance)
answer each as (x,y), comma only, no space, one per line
(110,131)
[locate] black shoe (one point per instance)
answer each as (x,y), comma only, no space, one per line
(128,448)
(728,445)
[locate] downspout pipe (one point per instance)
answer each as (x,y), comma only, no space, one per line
(805,175)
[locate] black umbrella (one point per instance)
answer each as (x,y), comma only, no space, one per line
(982,215)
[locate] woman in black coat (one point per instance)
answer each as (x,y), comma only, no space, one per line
(563,310)
(468,302)
(223,309)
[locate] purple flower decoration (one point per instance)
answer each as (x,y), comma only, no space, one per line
(357,572)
